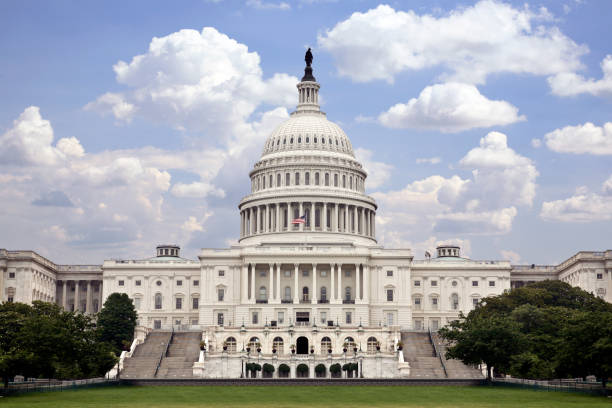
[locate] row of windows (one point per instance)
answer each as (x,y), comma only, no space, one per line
(158,302)
(454,283)
(179,282)
(260,182)
(434,302)
(307,139)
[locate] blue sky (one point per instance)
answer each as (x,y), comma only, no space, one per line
(128,124)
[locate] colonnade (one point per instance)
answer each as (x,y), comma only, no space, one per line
(335,281)
(320,216)
(43,287)
(92,303)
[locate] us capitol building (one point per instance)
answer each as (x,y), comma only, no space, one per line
(307,278)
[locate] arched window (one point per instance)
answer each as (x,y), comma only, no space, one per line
(323,294)
(307,179)
(316,179)
(327,179)
(335,180)
(291,141)
(307,139)
(351,182)
(300,139)
(455,301)
(271,180)
(317,217)
(326,345)
(287,293)
(263,295)
(278,180)
(279,345)
(297,179)
(344,181)
(349,342)
(254,343)
(372,344)
(315,139)
(158,301)
(305,293)
(323,140)
(347,293)
(287,179)
(263,182)
(284,141)
(230,342)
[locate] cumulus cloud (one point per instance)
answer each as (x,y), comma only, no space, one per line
(197,190)
(202,81)
(378,172)
(512,256)
(468,43)
(583,206)
(485,204)
(570,83)
(266,5)
(450,107)
(581,139)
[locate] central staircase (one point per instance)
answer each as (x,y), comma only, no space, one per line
(420,352)
(164,355)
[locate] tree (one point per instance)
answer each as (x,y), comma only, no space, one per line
(478,339)
(117,320)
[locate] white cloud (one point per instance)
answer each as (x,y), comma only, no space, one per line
(536,143)
(581,139)
(71,147)
(196,190)
(570,83)
(263,5)
(378,172)
(450,107)
(428,160)
(512,256)
(192,224)
(582,206)
(485,204)
(469,43)
(203,81)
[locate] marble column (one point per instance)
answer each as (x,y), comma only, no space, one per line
(296,298)
(76,296)
(301,212)
(366,283)
(324,217)
(314,283)
(289,216)
(340,297)
(277,225)
(271,288)
(312,215)
(357,283)
(88,304)
(253,271)
(345,226)
(355,223)
(278,283)
(64,294)
(335,220)
(332,275)
(244,281)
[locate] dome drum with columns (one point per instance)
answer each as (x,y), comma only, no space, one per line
(308,169)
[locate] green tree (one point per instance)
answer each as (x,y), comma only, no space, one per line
(117,320)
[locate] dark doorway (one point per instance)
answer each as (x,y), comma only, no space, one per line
(301,345)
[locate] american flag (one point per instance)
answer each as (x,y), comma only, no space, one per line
(300,220)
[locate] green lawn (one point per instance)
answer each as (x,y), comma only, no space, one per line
(304,396)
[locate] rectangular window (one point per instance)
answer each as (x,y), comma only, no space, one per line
(389,319)
(324,318)
(417,325)
(417,303)
(491,283)
(434,283)
(475,302)
(281,317)
(194,322)
(137,303)
(347,274)
(196,283)
(600,276)
(349,318)
(262,274)
(220,319)
(417,283)
(179,283)
(474,283)
(287,274)
(195,303)
(10,299)
(435,324)
(121,283)
(138,283)
(389,273)
(220,295)
(434,303)
(11,275)
(157,324)
(179,303)
(323,274)
(305,273)
(255,318)
(177,322)
(389,295)
(221,273)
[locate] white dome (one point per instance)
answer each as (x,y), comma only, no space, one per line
(308,131)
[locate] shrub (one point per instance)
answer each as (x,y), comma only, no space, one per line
(335,368)
(302,368)
(346,367)
(268,368)
(283,368)
(320,368)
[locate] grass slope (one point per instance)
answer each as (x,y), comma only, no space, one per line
(304,396)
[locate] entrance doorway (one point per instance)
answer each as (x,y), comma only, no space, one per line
(301,345)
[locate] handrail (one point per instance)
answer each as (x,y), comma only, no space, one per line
(164,353)
(437,352)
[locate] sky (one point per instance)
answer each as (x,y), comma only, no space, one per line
(124,125)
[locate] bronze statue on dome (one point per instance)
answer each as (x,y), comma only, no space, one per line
(308,57)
